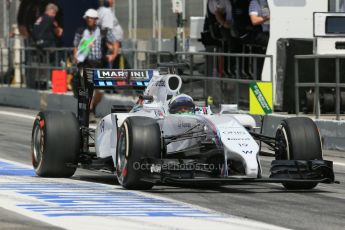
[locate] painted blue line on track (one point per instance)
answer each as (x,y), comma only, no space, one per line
(7,169)
(32,187)
(108,203)
(152,214)
(58,199)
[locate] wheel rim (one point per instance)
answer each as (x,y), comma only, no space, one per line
(282,136)
(122,154)
(38,141)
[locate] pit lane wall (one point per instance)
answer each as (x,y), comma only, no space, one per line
(45,100)
(332,132)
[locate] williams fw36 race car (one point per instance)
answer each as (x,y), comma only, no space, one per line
(166,139)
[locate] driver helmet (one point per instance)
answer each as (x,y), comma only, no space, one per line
(181,104)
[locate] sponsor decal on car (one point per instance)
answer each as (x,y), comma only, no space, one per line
(160,83)
(123,74)
(182,124)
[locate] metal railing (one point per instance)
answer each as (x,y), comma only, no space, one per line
(241,70)
(240,66)
(210,78)
(247,68)
(317,84)
(35,63)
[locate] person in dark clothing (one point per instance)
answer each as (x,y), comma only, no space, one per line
(220,23)
(46,30)
(241,18)
(219,14)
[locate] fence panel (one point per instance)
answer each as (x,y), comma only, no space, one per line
(326,96)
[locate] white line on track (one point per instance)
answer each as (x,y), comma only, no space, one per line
(26,116)
(17,115)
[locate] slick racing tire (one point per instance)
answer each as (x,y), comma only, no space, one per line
(55,144)
(138,138)
(301,141)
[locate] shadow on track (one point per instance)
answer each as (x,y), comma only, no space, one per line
(248,188)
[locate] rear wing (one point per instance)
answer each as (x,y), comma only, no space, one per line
(107,79)
(119,78)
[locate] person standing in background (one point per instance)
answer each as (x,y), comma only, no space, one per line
(46,30)
(259,14)
(220,13)
(242,22)
(220,19)
(107,21)
(89,52)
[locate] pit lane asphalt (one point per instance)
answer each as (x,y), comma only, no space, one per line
(321,208)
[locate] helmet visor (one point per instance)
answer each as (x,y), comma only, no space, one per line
(182,106)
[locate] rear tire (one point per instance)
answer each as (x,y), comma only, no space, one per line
(55,144)
(139,137)
(301,141)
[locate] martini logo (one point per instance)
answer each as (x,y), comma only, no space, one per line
(138,75)
(120,74)
(113,74)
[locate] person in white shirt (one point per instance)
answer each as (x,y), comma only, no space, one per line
(108,21)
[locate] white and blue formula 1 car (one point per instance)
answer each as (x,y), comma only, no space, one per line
(166,139)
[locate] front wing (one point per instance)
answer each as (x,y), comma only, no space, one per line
(282,171)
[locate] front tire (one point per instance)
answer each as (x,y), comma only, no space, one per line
(298,139)
(139,137)
(55,144)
